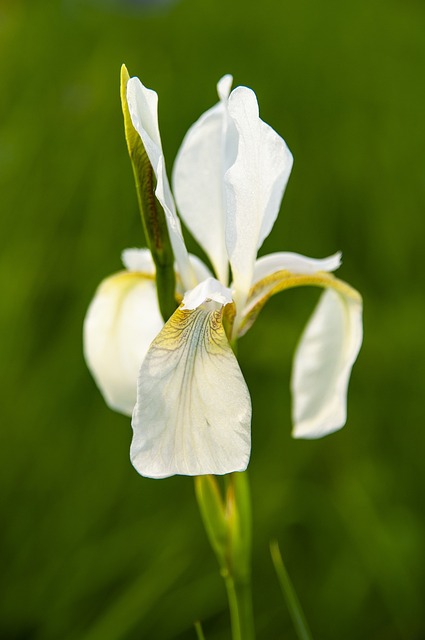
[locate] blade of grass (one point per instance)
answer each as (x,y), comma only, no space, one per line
(295,610)
(199,632)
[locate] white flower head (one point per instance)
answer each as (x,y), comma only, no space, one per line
(190,404)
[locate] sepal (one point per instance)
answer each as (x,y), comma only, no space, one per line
(193,411)
(121,322)
(322,364)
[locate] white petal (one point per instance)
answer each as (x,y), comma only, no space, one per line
(224,85)
(322,365)
(295,263)
(210,289)
(198,181)
(121,322)
(139,260)
(143,108)
(254,187)
(193,410)
(200,269)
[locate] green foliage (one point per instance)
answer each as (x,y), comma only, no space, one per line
(90,550)
(288,591)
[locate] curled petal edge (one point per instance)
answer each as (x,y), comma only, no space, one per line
(278,281)
(326,353)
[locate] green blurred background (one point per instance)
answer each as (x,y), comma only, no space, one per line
(89,549)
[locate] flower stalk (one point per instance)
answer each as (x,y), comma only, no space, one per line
(228,524)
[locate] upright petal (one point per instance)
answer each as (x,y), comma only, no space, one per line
(198,181)
(200,269)
(121,322)
(254,187)
(143,108)
(323,362)
(193,410)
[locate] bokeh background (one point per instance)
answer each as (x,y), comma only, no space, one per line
(92,551)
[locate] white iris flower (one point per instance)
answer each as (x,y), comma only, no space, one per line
(181,381)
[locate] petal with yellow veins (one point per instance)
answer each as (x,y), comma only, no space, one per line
(193,411)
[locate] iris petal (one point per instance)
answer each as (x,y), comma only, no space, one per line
(121,322)
(143,108)
(193,410)
(329,345)
(254,187)
(295,263)
(323,363)
(198,181)
(278,271)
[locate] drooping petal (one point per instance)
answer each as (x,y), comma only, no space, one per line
(323,363)
(278,271)
(193,410)
(293,262)
(143,108)
(121,322)
(198,181)
(254,187)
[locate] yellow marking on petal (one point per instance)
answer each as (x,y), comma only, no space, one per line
(281,280)
(125,279)
(184,322)
(229,316)
(193,410)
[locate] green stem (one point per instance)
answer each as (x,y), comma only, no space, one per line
(227,520)
(240,606)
